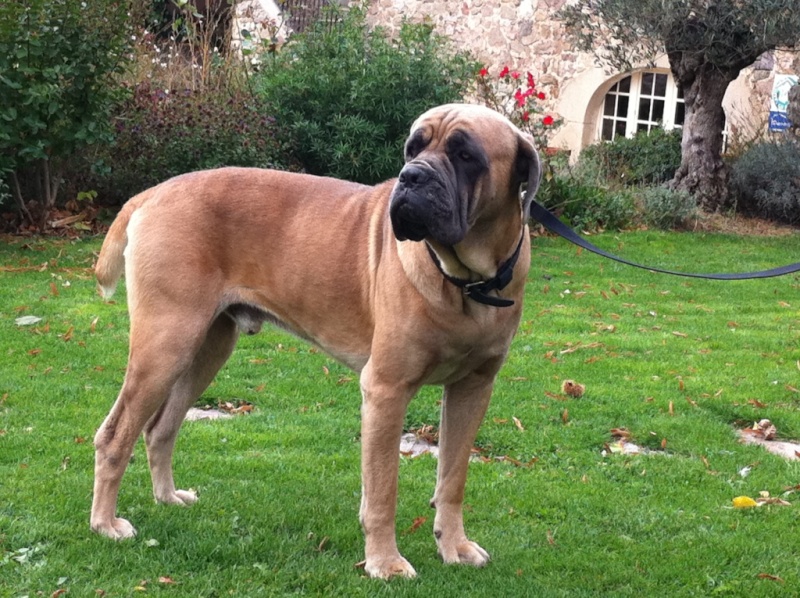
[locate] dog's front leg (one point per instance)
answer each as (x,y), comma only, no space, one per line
(463,407)
(382,411)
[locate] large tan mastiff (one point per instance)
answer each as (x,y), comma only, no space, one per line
(408,283)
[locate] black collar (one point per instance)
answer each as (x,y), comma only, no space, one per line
(479,290)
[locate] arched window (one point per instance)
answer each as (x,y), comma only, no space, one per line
(639,102)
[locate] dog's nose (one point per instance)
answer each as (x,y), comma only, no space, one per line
(413,175)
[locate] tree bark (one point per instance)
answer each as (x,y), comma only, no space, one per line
(702,171)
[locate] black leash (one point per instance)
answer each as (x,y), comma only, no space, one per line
(554,225)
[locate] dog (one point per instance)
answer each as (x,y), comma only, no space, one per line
(415,281)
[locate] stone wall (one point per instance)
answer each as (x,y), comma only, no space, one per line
(519,33)
(524,35)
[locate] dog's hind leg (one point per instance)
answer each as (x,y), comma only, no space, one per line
(161,351)
(162,429)
(463,407)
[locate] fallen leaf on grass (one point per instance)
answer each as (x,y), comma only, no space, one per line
(235,407)
(765,499)
(756,403)
(417,523)
(762,429)
(620,433)
(770,577)
(58,592)
(744,502)
(27,320)
(518,424)
(573,389)
(166,580)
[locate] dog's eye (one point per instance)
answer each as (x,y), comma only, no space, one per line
(465,156)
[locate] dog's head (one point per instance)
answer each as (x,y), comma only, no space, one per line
(464,163)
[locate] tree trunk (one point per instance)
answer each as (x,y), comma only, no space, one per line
(702,171)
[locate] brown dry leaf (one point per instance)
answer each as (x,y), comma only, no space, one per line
(783,304)
(791,388)
(53,289)
(663,443)
(416,524)
(550,539)
(573,389)
(34,352)
(691,402)
(680,334)
(518,423)
(565,416)
(757,403)
(499,420)
(93,325)
(323,543)
(325,370)
(767,429)
(68,334)
(769,577)
(58,592)
(621,433)
(556,396)
(671,409)
(166,580)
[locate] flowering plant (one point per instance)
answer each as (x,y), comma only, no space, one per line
(518,99)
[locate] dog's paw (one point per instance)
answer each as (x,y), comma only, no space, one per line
(388,567)
(116,529)
(182,498)
(465,552)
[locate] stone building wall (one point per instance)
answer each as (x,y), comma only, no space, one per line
(524,35)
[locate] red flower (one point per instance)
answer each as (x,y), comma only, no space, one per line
(547,120)
(526,116)
(531,82)
(520,97)
(504,72)
(541,95)
(483,72)
(515,75)
(529,92)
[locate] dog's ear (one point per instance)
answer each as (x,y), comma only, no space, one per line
(529,170)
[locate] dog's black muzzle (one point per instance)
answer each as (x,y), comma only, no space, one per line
(422,206)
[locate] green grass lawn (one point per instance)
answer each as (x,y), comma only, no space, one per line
(680,363)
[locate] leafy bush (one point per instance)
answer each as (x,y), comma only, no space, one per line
(58,60)
(348,94)
(162,133)
(645,159)
(585,204)
(666,209)
(766,179)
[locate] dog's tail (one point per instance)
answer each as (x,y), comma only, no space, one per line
(111,261)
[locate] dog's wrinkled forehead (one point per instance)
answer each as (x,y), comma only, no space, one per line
(462,121)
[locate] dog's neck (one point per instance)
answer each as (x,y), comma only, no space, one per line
(483,291)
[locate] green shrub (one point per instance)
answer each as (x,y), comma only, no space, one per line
(58,63)
(162,133)
(766,179)
(666,209)
(645,159)
(348,94)
(588,206)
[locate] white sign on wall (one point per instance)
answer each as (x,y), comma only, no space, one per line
(779,102)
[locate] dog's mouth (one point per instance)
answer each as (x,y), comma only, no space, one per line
(421,207)
(408,221)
